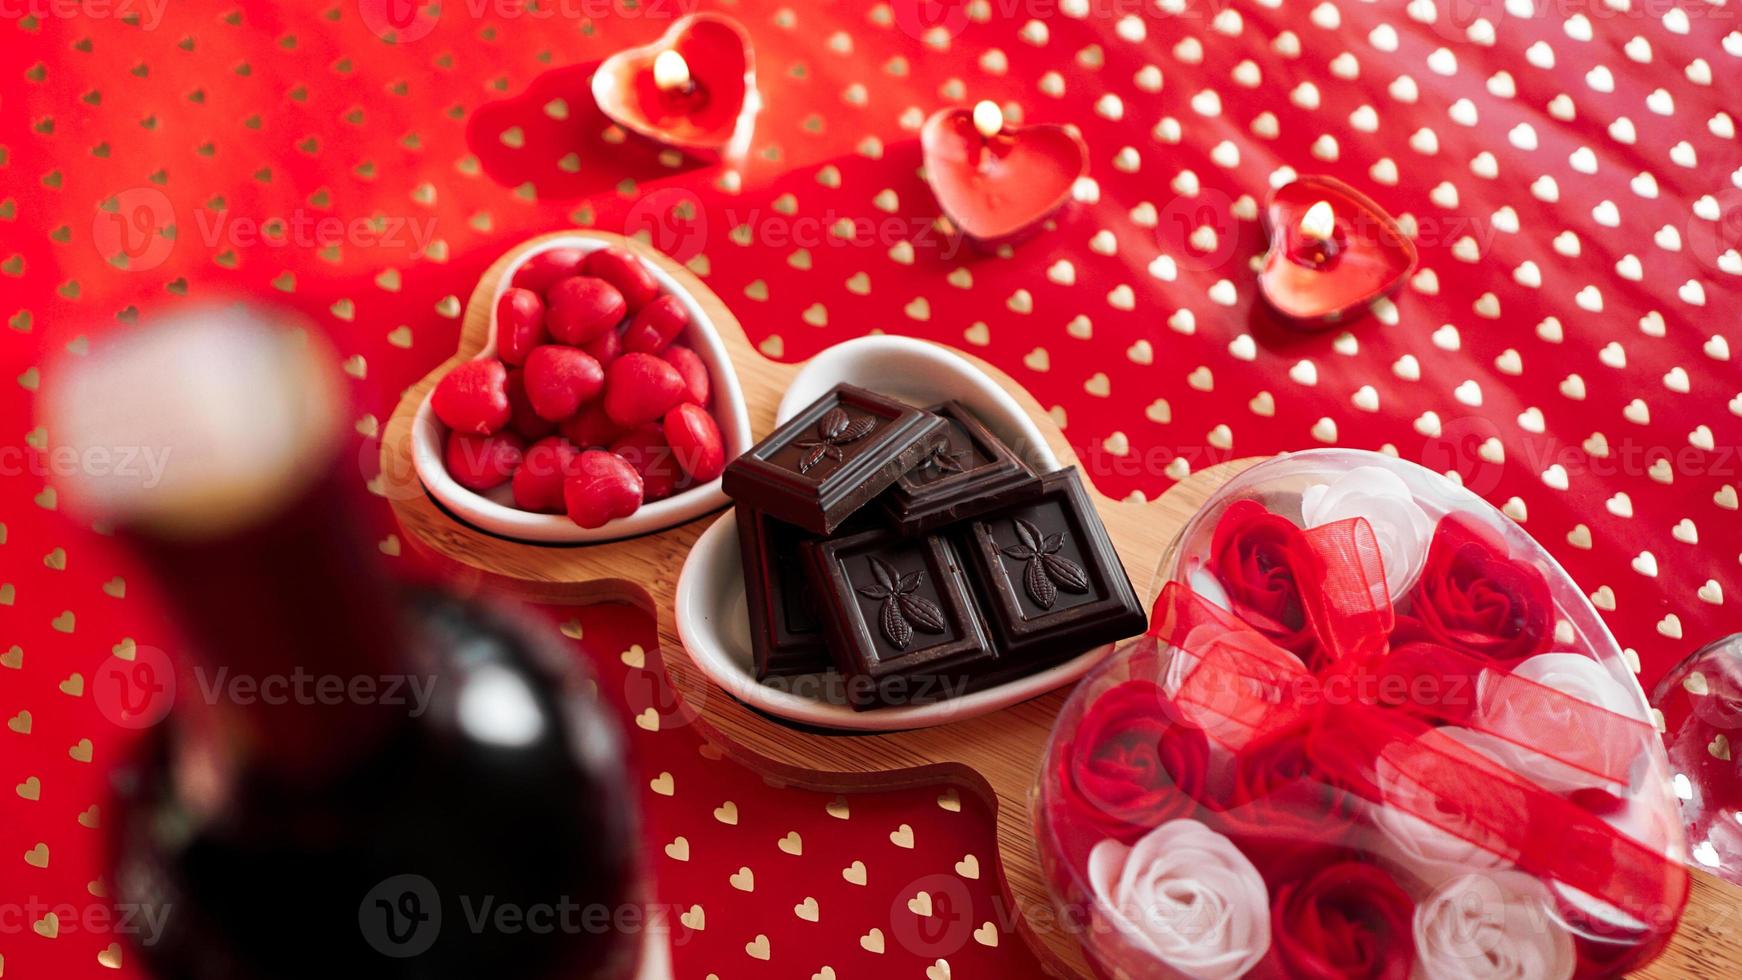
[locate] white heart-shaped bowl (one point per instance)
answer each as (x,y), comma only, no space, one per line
(712,618)
(494,511)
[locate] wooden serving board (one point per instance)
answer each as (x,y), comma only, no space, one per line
(996,756)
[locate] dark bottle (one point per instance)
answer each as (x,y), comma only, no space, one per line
(355,779)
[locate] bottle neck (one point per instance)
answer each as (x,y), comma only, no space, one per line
(294,635)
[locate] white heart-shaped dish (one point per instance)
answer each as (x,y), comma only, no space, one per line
(711,615)
(494,511)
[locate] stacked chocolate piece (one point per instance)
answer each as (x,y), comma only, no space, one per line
(916,554)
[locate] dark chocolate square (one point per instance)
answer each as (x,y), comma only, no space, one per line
(972,473)
(830,459)
(1050,584)
(900,616)
(786,634)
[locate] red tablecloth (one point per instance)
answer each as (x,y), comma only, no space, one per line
(1567,346)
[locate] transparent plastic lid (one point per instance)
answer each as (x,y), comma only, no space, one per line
(1375,730)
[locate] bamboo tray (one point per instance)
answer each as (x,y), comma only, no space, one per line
(995,755)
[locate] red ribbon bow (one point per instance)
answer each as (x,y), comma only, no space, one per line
(1241,687)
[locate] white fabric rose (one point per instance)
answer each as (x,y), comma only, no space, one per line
(1402,528)
(1186,896)
(1432,851)
(1206,585)
(1492,926)
(1517,713)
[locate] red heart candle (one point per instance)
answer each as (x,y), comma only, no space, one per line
(1332,252)
(694,89)
(997,183)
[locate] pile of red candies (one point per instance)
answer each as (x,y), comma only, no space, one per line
(590,406)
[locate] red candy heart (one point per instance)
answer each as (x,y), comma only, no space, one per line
(522,419)
(600,488)
(706,118)
(645,448)
(605,348)
(657,325)
(538,482)
(695,441)
(519,324)
(559,380)
(697,383)
(592,427)
(1315,281)
(640,388)
(998,189)
(625,272)
(549,267)
(482,462)
(582,308)
(473,397)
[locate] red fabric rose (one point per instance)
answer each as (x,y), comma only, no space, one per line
(1280,803)
(1134,764)
(1257,557)
(1425,679)
(1346,921)
(1474,597)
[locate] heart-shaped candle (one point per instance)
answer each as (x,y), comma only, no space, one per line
(694,89)
(995,182)
(1332,251)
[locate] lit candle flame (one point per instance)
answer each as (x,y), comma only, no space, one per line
(670,72)
(1319,222)
(988,119)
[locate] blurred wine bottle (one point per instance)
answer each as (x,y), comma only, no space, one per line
(353,778)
